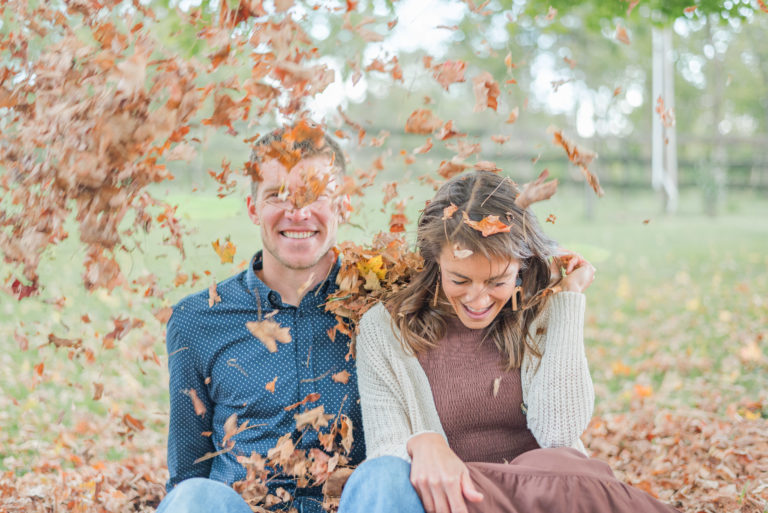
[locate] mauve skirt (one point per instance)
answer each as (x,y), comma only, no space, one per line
(559,480)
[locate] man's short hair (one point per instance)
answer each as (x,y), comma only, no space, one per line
(291,144)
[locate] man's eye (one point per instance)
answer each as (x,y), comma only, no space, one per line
(501,283)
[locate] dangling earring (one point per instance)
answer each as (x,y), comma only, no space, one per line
(517,290)
(437,291)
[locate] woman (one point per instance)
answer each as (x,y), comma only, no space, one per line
(473,380)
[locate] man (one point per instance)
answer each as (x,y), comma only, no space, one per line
(218,367)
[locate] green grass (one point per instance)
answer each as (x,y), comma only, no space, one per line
(676,313)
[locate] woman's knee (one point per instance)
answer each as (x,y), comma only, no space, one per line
(381,485)
(385,473)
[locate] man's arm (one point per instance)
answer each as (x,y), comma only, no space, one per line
(186,442)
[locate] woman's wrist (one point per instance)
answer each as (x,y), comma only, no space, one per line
(422,441)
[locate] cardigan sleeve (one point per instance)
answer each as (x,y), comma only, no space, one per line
(392,409)
(560,398)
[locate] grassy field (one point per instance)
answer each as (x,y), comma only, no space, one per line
(677,316)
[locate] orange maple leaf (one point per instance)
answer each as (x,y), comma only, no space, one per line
(489,225)
(226,252)
(486,91)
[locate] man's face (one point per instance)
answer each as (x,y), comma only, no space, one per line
(297,232)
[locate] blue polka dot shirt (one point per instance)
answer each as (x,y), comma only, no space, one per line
(211,351)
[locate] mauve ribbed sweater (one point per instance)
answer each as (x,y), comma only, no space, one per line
(479,425)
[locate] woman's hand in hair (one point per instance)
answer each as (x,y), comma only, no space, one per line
(441,479)
(577,273)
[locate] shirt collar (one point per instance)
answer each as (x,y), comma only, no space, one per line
(270,298)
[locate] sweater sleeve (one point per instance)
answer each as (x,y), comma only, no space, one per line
(384,388)
(561,397)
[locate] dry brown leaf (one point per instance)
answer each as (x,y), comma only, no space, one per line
(213,295)
(98,391)
(621,35)
(422,121)
(310,398)
(269,333)
(488,225)
(538,190)
(315,418)
(461,253)
(270,387)
(449,211)
(486,91)
(449,72)
(513,114)
(341,377)
(196,402)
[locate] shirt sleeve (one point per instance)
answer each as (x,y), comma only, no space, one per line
(561,398)
(186,441)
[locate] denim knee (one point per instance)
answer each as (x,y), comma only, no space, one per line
(202,495)
(381,485)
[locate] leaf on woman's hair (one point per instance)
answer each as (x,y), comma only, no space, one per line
(269,333)
(538,190)
(422,121)
(461,253)
(486,165)
(449,211)
(489,225)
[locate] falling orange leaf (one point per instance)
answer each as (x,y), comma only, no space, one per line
(98,391)
(689,10)
(513,114)
(486,91)
(226,252)
(424,148)
(39,368)
(489,225)
(538,190)
(449,72)
(269,333)
(200,408)
(551,218)
(621,35)
(422,121)
(500,139)
(310,398)
(316,418)
(763,6)
(341,377)
(213,295)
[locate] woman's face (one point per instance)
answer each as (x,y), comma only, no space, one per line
(477,288)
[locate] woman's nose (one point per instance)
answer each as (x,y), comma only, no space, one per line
(476,296)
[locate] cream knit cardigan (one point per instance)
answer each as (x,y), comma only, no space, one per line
(397,401)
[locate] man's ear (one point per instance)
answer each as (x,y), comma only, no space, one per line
(250,203)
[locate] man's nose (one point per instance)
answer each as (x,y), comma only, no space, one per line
(297,213)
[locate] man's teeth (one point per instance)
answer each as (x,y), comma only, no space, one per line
(298,235)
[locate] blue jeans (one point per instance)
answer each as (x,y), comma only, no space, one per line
(381,485)
(201,495)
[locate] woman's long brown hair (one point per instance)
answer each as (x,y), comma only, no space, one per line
(420,310)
